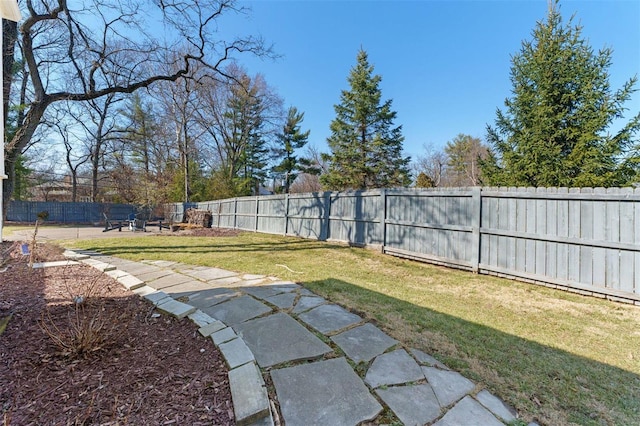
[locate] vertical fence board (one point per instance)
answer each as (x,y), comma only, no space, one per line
(574,232)
(586,232)
(600,228)
(541,229)
(613,217)
(530,250)
(562,231)
(626,232)
(552,229)
(521,226)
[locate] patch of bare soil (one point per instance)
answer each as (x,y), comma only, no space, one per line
(79,349)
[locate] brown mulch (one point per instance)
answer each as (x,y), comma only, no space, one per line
(116,360)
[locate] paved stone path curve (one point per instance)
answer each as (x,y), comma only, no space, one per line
(308,346)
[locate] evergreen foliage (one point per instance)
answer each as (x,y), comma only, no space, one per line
(366,148)
(556,129)
(244,136)
(289,140)
(424,181)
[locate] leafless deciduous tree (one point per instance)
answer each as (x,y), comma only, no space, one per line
(84,50)
(432,163)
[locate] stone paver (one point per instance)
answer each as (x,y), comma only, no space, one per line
(224,282)
(154,275)
(323,393)
(209,274)
(186,289)
(224,335)
(130,282)
(414,405)
(138,268)
(162,263)
(69,254)
(495,405)
(117,273)
(237,310)
(157,297)
(201,319)
(100,266)
(250,400)
(251,277)
(329,318)
(426,359)
(206,298)
(144,290)
(449,386)
(57,263)
(363,343)
(248,283)
(282,301)
(169,281)
(175,308)
(263,292)
(468,412)
(287,286)
(211,327)
(236,353)
(307,302)
(393,368)
(279,338)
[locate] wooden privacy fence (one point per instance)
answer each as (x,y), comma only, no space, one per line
(67,212)
(585,240)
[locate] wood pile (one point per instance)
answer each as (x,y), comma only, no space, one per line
(198,217)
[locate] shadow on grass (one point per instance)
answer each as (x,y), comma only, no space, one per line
(139,245)
(548,385)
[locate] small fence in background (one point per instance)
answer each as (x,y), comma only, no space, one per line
(585,240)
(63,212)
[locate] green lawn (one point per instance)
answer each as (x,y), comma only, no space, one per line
(557,357)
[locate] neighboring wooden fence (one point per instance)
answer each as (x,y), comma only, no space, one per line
(60,212)
(583,240)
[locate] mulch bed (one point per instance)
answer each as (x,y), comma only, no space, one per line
(116,361)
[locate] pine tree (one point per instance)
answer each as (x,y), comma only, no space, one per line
(290,139)
(366,148)
(556,127)
(245,116)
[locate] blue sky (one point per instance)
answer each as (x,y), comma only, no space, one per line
(445,64)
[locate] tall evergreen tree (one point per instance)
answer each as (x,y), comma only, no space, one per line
(366,148)
(289,140)
(556,130)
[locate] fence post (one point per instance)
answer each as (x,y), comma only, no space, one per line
(383,219)
(476,223)
(286,213)
(257,211)
(235,213)
(327,215)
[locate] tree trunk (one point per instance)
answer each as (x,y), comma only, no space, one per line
(74,185)
(9,38)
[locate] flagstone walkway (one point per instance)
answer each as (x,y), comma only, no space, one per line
(328,366)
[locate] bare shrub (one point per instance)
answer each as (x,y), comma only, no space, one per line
(81,321)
